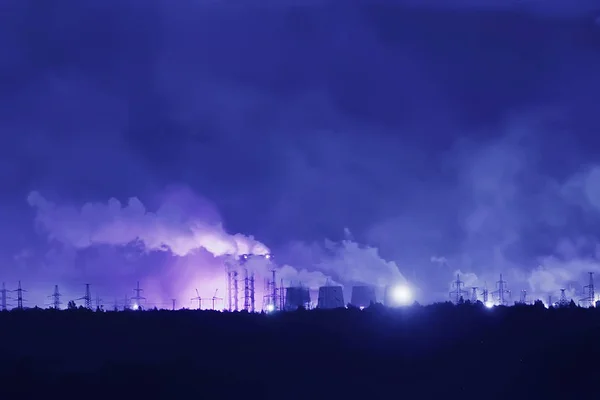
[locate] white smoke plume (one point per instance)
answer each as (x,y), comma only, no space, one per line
(113,223)
(356,263)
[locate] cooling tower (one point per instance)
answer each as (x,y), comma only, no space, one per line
(331,297)
(296,297)
(363,296)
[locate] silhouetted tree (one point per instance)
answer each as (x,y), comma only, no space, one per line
(71,305)
(539,304)
(572,304)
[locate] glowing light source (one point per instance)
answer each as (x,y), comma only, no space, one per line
(135,307)
(270,308)
(401,295)
(489,304)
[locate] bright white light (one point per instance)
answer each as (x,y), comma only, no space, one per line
(135,306)
(362,307)
(489,304)
(401,295)
(270,308)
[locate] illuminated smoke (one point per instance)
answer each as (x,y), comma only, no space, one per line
(113,223)
(352,262)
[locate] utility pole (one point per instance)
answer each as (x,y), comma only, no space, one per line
(458,292)
(174,301)
(198,298)
(56,298)
(501,292)
(138,296)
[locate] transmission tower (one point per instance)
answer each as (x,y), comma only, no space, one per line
(198,298)
(56,298)
(20,299)
(281,295)
(458,292)
(4,305)
(138,296)
(126,303)
(246,291)
(523,299)
(501,292)
(87,298)
(474,294)
(485,294)
(229,290)
(563,301)
(99,302)
(252,292)
(214,299)
(590,295)
(236,292)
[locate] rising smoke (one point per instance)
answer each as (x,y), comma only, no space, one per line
(188,228)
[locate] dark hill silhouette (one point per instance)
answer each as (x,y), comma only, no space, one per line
(415,352)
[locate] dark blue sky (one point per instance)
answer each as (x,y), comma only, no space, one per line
(457,132)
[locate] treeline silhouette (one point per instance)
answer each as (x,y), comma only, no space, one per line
(521,352)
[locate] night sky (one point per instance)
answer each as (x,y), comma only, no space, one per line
(358,141)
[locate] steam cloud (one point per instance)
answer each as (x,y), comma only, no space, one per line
(116,224)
